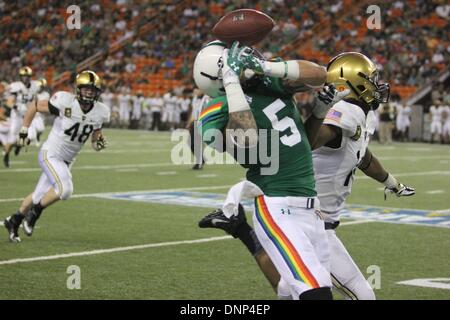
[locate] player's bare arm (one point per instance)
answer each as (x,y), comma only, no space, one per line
(33,107)
(326,134)
(372,167)
(324,100)
(310,75)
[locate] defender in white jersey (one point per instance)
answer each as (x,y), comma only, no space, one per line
(77,117)
(341,147)
(20,94)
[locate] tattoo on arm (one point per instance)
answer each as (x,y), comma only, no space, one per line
(243,127)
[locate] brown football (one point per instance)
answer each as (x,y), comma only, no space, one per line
(248,26)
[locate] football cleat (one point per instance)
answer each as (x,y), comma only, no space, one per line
(197,166)
(30,221)
(13,229)
(217,219)
(17,149)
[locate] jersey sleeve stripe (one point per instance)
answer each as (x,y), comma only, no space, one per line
(215,108)
(210,118)
(283,244)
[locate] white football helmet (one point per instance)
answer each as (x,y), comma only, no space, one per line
(208,69)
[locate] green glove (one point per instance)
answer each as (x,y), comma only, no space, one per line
(237,56)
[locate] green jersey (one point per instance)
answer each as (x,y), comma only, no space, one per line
(274,109)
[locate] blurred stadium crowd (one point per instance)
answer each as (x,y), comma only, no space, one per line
(144,50)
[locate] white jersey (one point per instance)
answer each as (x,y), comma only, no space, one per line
(403,112)
(334,168)
(156,104)
(436,114)
(170,102)
(44,95)
(445,114)
(184,104)
(72,127)
(137,107)
(24,94)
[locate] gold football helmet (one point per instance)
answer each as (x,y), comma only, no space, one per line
(355,71)
(88,79)
(42,83)
(25,71)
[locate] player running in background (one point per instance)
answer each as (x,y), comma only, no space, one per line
(20,94)
(286,217)
(341,148)
(77,117)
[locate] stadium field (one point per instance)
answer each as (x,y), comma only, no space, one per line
(131,227)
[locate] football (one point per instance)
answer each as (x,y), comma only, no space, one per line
(248,26)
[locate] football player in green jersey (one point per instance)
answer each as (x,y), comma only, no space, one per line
(287,218)
(345,132)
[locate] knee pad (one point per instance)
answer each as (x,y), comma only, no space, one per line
(323,293)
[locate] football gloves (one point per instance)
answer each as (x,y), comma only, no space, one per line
(23,137)
(253,63)
(399,189)
(100,143)
(233,63)
(326,98)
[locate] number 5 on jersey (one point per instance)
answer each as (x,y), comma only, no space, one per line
(283,124)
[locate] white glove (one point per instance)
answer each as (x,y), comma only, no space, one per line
(326,98)
(23,137)
(400,190)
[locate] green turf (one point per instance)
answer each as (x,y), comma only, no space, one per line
(212,270)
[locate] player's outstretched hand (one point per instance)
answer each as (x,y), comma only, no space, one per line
(23,137)
(400,191)
(233,63)
(101,143)
(326,98)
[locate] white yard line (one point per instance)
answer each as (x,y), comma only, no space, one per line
(435,191)
(130,248)
(93,195)
(97,167)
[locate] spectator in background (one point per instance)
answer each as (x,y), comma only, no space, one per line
(156,106)
(386,122)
